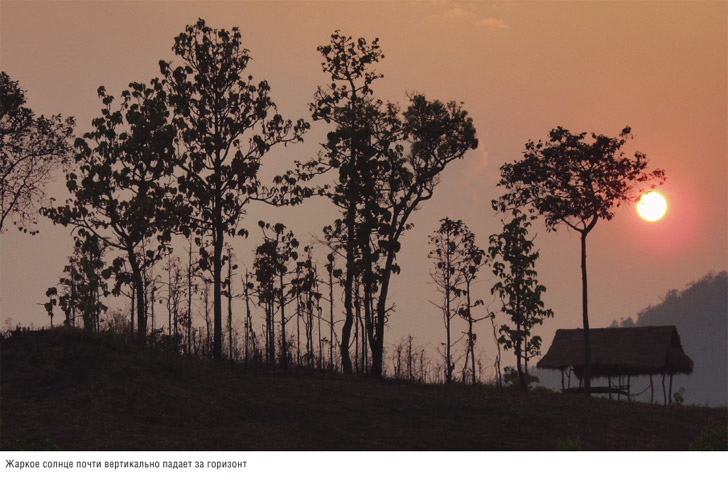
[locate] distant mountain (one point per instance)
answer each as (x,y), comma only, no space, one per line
(700,313)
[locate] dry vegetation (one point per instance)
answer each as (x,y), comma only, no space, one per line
(70,390)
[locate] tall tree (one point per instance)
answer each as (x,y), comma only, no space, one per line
(433,134)
(31,150)
(457,261)
(474,261)
(226,123)
(388,163)
(119,189)
(575,180)
(348,104)
(448,256)
(518,288)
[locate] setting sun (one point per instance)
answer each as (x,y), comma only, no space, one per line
(652,206)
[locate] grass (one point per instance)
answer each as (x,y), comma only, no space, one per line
(70,390)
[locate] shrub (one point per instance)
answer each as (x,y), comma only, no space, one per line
(713,437)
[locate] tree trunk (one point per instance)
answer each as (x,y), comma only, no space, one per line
(230,305)
(470,336)
(298,323)
(282,304)
(248,323)
(139,286)
(189,302)
(585,312)
(348,305)
(331,315)
(217,291)
(131,312)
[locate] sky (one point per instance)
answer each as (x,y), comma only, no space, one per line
(520,69)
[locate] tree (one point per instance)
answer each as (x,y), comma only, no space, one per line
(433,135)
(31,150)
(305,288)
(520,293)
(448,255)
(574,181)
(226,124)
(274,260)
(120,191)
(348,104)
(474,260)
(457,261)
(83,283)
(388,163)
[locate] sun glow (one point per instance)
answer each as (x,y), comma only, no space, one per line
(652,206)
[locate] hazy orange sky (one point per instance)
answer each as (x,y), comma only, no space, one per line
(521,68)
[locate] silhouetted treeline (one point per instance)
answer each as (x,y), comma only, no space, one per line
(177,159)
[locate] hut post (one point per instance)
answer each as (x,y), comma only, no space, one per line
(619,388)
(562,380)
(609,384)
(670,393)
(664,396)
(569,377)
(629,397)
(652,391)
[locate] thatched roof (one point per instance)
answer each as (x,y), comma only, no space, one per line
(633,351)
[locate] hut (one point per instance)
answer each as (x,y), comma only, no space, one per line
(618,353)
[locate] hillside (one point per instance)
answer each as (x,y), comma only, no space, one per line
(69,390)
(700,313)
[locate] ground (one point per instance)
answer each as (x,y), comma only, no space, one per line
(69,390)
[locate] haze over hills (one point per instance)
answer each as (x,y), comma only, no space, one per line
(700,313)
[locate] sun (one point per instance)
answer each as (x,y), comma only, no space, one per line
(652,206)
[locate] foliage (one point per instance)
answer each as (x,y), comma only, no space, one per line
(457,260)
(120,187)
(83,283)
(518,288)
(713,437)
(388,162)
(576,181)
(226,124)
(31,150)
(573,181)
(274,259)
(37,442)
(678,397)
(569,444)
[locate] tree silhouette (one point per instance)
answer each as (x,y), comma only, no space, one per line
(448,255)
(520,293)
(457,261)
(120,191)
(575,181)
(388,163)
(305,288)
(433,134)
(274,260)
(83,283)
(31,149)
(348,104)
(226,123)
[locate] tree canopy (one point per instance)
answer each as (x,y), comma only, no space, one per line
(576,181)
(226,123)
(31,150)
